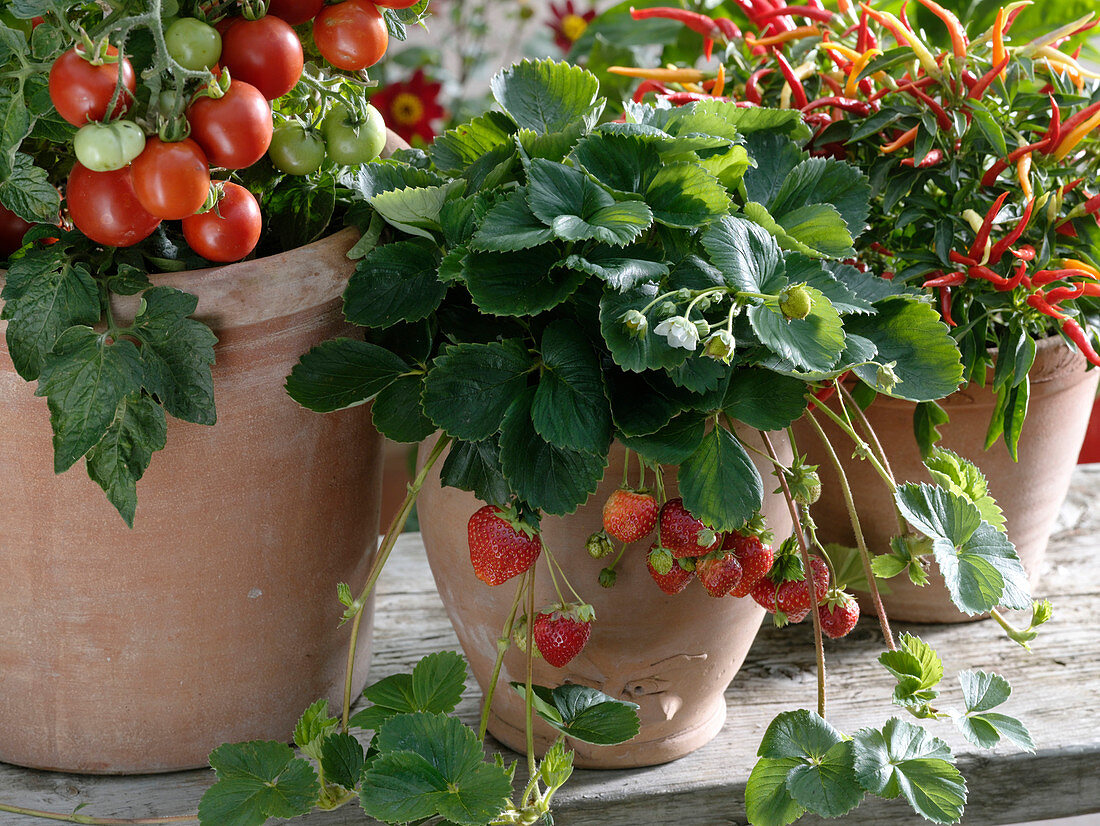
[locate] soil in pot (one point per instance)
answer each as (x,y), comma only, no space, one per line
(215,619)
(672,655)
(1029,491)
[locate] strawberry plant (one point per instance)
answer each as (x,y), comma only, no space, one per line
(114,128)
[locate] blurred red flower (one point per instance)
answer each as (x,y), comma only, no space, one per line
(568,23)
(409,107)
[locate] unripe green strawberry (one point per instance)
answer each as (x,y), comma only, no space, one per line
(598,545)
(519,635)
(607,577)
(795,302)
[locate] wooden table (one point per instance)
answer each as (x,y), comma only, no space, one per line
(1057,695)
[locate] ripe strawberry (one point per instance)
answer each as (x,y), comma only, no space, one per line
(793,598)
(763,593)
(839,614)
(562,631)
(674,579)
(501,547)
(630,516)
(683,534)
(755,557)
(718,575)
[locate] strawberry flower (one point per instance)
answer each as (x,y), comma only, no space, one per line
(679,331)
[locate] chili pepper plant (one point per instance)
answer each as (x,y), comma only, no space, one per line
(537,286)
(981,151)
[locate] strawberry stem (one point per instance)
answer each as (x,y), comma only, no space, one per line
(554,564)
(503,643)
(861,543)
(819,643)
(96,821)
(529,693)
(388,541)
(626,470)
(863,450)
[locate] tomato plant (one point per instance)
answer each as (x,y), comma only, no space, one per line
(104,207)
(295,12)
(12,230)
(297,150)
(81,89)
(228,232)
(103,147)
(193,44)
(350,141)
(351,35)
(234,130)
(264,52)
(171,179)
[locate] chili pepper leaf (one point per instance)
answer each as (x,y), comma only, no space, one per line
(1015,355)
(719,483)
(671,444)
(257,781)
(545,96)
(1014,415)
(475,466)
(903,759)
(990,129)
(978,563)
(342,373)
(927,418)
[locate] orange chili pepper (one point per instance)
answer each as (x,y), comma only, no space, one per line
(955,29)
(1077,264)
(662,75)
(858,65)
(796,33)
(999,53)
(904,139)
(1023,174)
(719,82)
(1068,142)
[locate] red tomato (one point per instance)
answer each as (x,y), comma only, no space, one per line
(104,207)
(228,232)
(351,35)
(396,4)
(81,92)
(265,52)
(171,180)
(234,130)
(12,230)
(296,12)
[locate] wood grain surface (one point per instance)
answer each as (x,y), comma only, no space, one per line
(1057,695)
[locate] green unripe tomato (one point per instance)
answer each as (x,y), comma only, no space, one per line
(105,147)
(193,44)
(296,150)
(348,142)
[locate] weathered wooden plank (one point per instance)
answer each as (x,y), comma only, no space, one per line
(1058,695)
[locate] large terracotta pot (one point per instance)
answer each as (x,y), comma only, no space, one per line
(672,655)
(1029,491)
(214,619)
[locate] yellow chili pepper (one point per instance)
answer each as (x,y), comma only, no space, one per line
(1023,174)
(796,33)
(851,54)
(1069,142)
(906,37)
(662,75)
(860,63)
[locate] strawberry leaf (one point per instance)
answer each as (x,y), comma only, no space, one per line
(719,483)
(313,726)
(342,373)
(342,759)
(545,96)
(767,800)
(257,781)
(435,685)
(982,692)
(570,408)
(584,713)
(395,282)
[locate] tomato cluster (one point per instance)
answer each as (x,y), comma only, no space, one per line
(126,181)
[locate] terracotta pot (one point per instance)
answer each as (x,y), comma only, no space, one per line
(215,619)
(1029,491)
(672,655)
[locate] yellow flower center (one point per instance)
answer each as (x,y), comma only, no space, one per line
(407,109)
(573,26)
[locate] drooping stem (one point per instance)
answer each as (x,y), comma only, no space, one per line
(380,559)
(861,543)
(503,644)
(864,450)
(96,821)
(819,642)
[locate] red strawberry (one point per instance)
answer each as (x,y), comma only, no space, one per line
(793,598)
(675,578)
(629,516)
(500,546)
(839,614)
(718,575)
(755,557)
(763,593)
(561,632)
(683,534)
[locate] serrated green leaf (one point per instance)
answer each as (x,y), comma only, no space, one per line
(438,682)
(927,418)
(912,335)
(671,444)
(683,194)
(815,342)
(397,412)
(457,149)
(571,409)
(554,479)
(257,781)
(313,726)
(84,382)
(622,162)
(904,759)
(395,282)
(983,691)
(471,386)
(585,714)
(509,226)
(963,477)
(818,228)
(979,564)
(764,400)
(120,458)
(824,181)
(986,730)
(545,96)
(27,190)
(747,256)
(415,210)
(520,283)
(177,353)
(431,764)
(637,408)
(342,373)
(475,466)
(631,351)
(799,734)
(810,271)
(342,759)
(827,786)
(719,483)
(620,271)
(767,800)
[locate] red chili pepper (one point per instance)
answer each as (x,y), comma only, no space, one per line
(1018,278)
(933,157)
(987,274)
(945,306)
(943,120)
(977,249)
(994,172)
(1072,329)
(881,250)
(1092,289)
(1038,301)
(1046,276)
(647,86)
(1067,229)
(800,11)
(864,40)
(1072,122)
(955,29)
(959,258)
(698,23)
(1054,131)
(978,89)
(1025,253)
(920,83)
(1001,246)
(903,14)
(684,98)
(833,84)
(856,107)
(1059,294)
(953,279)
(797,88)
(1092,204)
(752,87)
